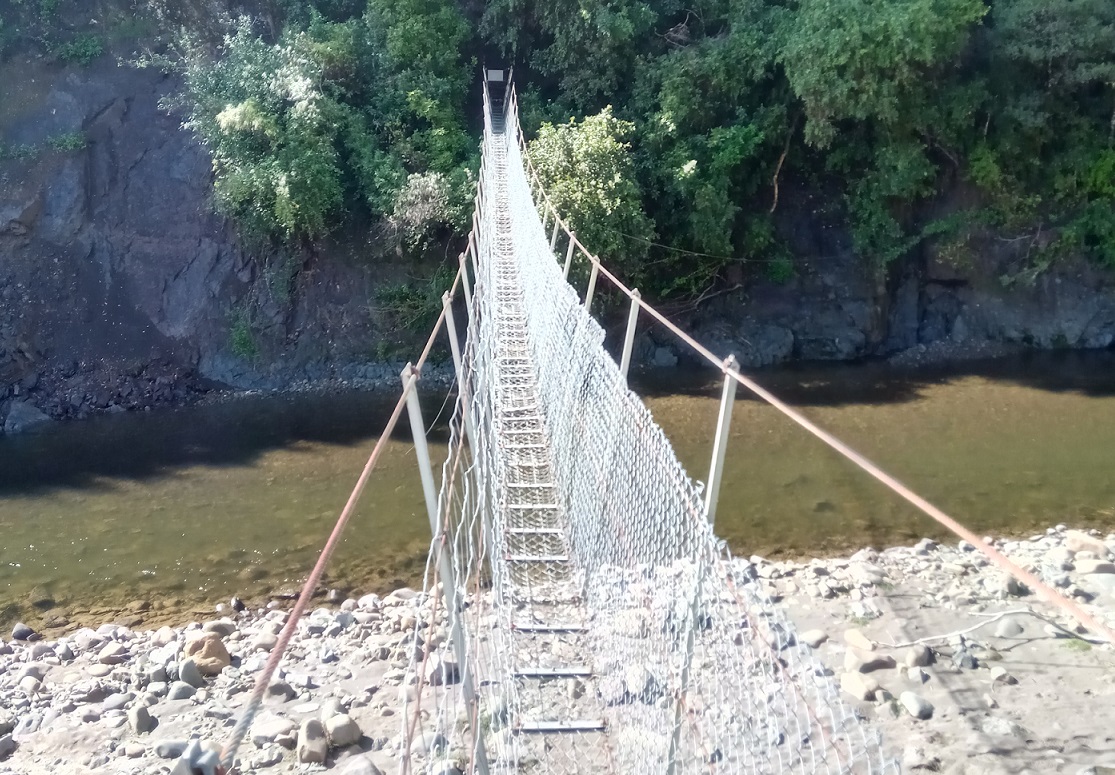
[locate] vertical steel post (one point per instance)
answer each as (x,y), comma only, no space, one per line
(591,283)
(569,253)
(720,444)
(545,215)
(458,365)
(553,237)
(409,377)
(629,337)
(466,287)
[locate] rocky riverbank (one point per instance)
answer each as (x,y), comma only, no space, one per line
(959,666)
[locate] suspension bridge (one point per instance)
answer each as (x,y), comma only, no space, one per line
(595,623)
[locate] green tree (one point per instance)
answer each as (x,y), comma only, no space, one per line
(856,59)
(587,170)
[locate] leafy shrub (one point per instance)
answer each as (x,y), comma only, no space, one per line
(415,305)
(70,141)
(82,50)
(242,336)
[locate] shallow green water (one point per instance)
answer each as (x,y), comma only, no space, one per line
(184,508)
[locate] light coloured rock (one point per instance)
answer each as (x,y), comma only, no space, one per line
(222,627)
(312,747)
(1008,627)
(916,675)
(813,638)
(361,765)
(268,727)
(1094,566)
(857,639)
(209,653)
(1077,541)
(918,655)
(859,686)
(342,731)
(265,641)
(163,636)
(916,705)
(857,661)
(113,654)
(139,719)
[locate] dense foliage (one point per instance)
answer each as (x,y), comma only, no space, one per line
(666,131)
(361,115)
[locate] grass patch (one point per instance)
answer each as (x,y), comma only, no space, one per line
(1076,644)
(70,141)
(82,50)
(242,338)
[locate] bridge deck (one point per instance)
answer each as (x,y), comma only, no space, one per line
(557,721)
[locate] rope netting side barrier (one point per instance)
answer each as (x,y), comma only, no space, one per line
(606,628)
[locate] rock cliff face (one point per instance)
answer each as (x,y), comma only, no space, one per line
(119,285)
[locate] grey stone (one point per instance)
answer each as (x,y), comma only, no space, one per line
(23,416)
(1077,541)
(866,662)
(1008,628)
(361,765)
(264,641)
(441,671)
(113,654)
(965,660)
(268,728)
(859,686)
(813,638)
(918,655)
(140,720)
(999,674)
(22,632)
(281,691)
(917,675)
(180,690)
(312,746)
(170,749)
(117,701)
(222,627)
(188,672)
(916,705)
(857,639)
(7,746)
(1094,566)
(664,358)
(342,731)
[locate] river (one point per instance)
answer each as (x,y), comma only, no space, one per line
(174,510)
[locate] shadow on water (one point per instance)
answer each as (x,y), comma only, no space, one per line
(1090,373)
(143,446)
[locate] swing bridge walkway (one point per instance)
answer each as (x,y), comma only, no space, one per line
(595,623)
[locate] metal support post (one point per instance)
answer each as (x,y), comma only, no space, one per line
(629,337)
(545,215)
(409,377)
(553,237)
(591,283)
(466,288)
(458,364)
(569,253)
(720,444)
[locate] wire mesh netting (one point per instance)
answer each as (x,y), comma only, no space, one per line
(602,625)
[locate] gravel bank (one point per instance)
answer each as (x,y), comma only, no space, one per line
(961,668)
